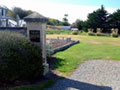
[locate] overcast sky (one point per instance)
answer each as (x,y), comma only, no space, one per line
(76,9)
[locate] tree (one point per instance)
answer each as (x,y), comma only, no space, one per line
(65,20)
(81,25)
(54,22)
(98,19)
(114,20)
(18,11)
(9,13)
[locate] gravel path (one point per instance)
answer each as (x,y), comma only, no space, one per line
(92,75)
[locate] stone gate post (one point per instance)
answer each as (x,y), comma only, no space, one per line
(36,27)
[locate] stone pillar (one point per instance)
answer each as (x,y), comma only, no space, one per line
(36,27)
(7,23)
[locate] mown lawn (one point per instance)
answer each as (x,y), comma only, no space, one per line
(90,48)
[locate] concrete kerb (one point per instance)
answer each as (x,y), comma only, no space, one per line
(66,46)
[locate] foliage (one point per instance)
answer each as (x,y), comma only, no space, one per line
(99,32)
(114,32)
(19,58)
(66,32)
(98,19)
(81,25)
(54,22)
(91,34)
(65,20)
(39,86)
(52,31)
(65,24)
(114,35)
(114,19)
(18,11)
(74,33)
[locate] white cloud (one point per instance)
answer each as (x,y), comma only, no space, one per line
(54,10)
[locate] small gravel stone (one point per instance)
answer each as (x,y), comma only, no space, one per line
(92,75)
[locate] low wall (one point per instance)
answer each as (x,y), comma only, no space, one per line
(62,48)
(21,30)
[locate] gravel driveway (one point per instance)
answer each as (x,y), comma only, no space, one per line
(92,75)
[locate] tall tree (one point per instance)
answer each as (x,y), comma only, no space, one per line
(81,25)
(98,19)
(18,11)
(65,20)
(114,19)
(54,22)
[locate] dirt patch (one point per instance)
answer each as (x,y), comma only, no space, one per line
(55,43)
(94,42)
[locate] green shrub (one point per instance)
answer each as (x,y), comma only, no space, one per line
(103,34)
(52,31)
(99,34)
(91,34)
(74,33)
(114,35)
(19,58)
(82,33)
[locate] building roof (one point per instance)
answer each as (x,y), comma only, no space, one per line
(3,7)
(35,17)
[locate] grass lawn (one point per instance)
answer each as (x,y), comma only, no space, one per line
(90,48)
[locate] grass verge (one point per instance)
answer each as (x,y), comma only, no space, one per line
(90,48)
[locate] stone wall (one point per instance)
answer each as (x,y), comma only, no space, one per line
(15,29)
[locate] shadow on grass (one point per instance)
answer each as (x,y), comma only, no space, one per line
(55,63)
(63,83)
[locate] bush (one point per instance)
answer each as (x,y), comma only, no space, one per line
(103,34)
(98,34)
(19,58)
(74,33)
(82,33)
(114,35)
(91,34)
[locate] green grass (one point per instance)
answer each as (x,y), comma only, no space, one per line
(51,31)
(90,48)
(39,86)
(64,32)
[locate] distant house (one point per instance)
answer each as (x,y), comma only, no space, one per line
(59,27)
(4,20)
(12,23)
(66,27)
